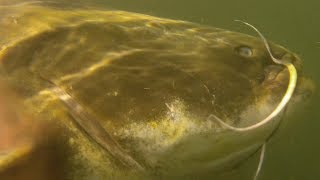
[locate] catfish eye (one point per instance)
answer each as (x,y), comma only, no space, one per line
(244,51)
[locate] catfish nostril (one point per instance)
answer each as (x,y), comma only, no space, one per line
(293,59)
(288,57)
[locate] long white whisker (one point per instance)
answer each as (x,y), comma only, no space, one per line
(291,87)
(261,159)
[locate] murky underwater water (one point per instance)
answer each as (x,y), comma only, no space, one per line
(294,152)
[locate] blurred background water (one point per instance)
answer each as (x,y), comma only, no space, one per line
(294,152)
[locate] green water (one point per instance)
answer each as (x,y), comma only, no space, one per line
(294,153)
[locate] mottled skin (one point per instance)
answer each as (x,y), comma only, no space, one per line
(150,82)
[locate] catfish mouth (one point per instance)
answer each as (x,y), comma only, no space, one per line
(277,79)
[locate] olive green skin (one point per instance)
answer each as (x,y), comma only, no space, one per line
(150,82)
